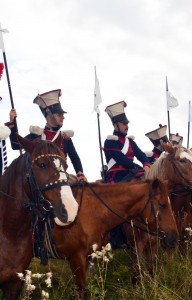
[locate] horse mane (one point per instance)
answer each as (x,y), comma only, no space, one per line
(154,170)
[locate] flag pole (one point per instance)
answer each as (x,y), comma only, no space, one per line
(168,117)
(100,147)
(6,70)
(189,119)
(97,101)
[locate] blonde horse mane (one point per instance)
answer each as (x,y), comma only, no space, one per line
(156,169)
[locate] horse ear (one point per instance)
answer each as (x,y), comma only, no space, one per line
(168,148)
(26,144)
(58,140)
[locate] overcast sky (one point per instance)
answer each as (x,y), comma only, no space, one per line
(135,44)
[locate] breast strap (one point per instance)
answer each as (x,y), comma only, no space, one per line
(124,150)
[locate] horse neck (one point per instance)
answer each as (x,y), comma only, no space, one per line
(12,194)
(121,201)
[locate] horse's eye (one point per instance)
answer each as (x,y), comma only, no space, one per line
(162,205)
(42,166)
(182,161)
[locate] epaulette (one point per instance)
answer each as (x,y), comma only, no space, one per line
(149,153)
(39,131)
(4,132)
(69,133)
(115,137)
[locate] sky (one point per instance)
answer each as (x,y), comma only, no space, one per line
(134,44)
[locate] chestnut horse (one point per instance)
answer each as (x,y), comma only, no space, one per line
(175,165)
(35,184)
(104,206)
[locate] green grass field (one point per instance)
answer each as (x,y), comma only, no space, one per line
(172,279)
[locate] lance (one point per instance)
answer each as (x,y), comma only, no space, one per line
(189,120)
(7,74)
(97,101)
(168,117)
(6,70)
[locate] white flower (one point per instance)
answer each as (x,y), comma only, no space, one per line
(94,247)
(37,275)
(28,272)
(20,275)
(48,282)
(45,295)
(30,287)
(108,247)
(49,274)
(106,259)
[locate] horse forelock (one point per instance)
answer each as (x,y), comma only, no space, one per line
(45,148)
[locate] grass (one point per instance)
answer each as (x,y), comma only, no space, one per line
(171,281)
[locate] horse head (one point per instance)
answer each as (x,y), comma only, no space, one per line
(158,214)
(47,168)
(175,164)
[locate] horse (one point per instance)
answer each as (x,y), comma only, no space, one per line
(104,206)
(174,165)
(34,186)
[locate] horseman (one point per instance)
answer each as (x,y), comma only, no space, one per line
(156,136)
(120,150)
(51,109)
(176,139)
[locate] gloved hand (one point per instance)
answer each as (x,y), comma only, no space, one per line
(81,176)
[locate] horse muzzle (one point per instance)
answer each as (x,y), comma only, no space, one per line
(168,241)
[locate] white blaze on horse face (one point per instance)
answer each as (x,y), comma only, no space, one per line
(67,198)
(186,155)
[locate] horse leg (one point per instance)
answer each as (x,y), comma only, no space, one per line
(79,267)
(11,290)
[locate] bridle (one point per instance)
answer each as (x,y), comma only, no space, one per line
(176,169)
(56,183)
(42,209)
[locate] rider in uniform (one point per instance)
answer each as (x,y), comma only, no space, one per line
(120,149)
(176,139)
(51,109)
(156,136)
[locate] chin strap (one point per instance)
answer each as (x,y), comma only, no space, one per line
(51,116)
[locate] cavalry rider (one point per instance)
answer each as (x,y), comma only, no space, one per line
(51,109)
(120,150)
(176,139)
(156,136)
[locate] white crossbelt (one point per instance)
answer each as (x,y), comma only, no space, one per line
(124,150)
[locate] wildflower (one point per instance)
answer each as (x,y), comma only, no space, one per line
(45,295)
(20,275)
(48,282)
(94,247)
(108,247)
(30,287)
(37,275)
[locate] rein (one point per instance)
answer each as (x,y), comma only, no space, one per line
(150,200)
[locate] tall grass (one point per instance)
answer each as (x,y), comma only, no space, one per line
(172,279)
